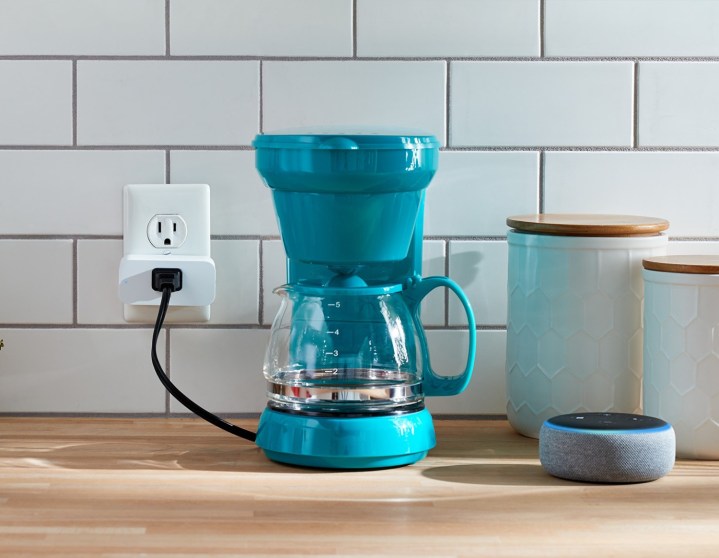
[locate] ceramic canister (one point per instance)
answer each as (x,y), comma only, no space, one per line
(681,350)
(574,324)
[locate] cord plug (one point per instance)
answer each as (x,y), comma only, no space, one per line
(137,288)
(163,277)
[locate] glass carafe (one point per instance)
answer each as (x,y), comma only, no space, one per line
(355,350)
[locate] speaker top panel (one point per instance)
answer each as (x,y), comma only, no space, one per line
(623,422)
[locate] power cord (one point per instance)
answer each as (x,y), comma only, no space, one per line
(167,281)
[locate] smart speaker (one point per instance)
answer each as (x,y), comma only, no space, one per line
(606,447)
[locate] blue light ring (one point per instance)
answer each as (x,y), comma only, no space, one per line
(654,429)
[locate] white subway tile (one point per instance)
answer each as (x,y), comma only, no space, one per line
(261,27)
(480,269)
(371,95)
(97,279)
(72,192)
(167,102)
(448,28)
(219,369)
(241,203)
(473,192)
(699,248)
(541,103)
(82,27)
(238,282)
(433,263)
(631,28)
(274,274)
(36,282)
(79,371)
(485,394)
(680,187)
(678,104)
(35,102)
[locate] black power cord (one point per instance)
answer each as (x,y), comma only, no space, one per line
(167,281)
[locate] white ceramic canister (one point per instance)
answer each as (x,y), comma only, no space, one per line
(681,350)
(574,324)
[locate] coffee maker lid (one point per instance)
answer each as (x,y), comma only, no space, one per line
(351,140)
(329,163)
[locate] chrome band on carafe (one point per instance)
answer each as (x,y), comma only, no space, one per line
(341,391)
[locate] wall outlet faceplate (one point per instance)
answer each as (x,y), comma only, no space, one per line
(166,225)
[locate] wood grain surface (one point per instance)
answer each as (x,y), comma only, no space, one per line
(77,487)
(588,224)
(696,264)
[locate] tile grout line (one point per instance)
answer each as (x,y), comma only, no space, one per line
(167,27)
(260,279)
(260,95)
(542,10)
(199,327)
(452,149)
(74,282)
(187,414)
(442,238)
(261,238)
(256,58)
(448,104)
(354,28)
(70,326)
(583,148)
(478,327)
(446,291)
(540,185)
(635,116)
(148,147)
(74,102)
(168,174)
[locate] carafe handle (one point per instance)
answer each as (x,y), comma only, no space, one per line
(434,384)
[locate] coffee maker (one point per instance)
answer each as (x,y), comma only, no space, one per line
(347,365)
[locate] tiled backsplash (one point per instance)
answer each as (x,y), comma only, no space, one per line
(556,105)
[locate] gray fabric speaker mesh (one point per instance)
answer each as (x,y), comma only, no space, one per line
(606,457)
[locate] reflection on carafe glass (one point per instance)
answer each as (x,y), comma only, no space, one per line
(343,390)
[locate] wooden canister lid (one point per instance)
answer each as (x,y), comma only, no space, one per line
(588,224)
(706,265)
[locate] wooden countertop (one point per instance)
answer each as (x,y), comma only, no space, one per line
(179,487)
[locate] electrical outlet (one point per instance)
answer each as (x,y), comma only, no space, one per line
(166,225)
(167,231)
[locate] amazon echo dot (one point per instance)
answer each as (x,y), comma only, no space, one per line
(606,447)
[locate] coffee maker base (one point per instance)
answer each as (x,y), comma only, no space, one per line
(345,443)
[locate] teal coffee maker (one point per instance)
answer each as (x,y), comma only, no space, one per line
(347,365)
